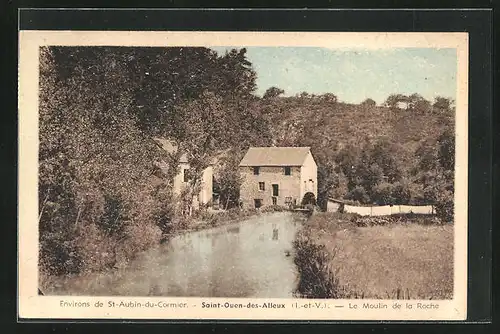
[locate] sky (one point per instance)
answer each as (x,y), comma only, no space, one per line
(355,75)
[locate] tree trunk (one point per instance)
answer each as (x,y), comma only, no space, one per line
(190,194)
(43,207)
(78,216)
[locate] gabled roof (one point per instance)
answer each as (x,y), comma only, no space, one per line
(275,156)
(171,148)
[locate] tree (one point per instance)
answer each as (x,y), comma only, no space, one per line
(347,160)
(250,125)
(341,189)
(227,179)
(95,163)
(401,193)
(327,182)
(359,194)
(329,98)
(418,103)
(304,95)
(442,103)
(446,150)
(383,194)
(234,75)
(273,92)
(368,166)
(369,176)
(201,134)
(394,101)
(369,103)
(435,172)
(159,78)
(384,154)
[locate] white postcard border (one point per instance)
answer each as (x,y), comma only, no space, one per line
(31,305)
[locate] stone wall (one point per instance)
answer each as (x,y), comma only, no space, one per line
(288,185)
(309,177)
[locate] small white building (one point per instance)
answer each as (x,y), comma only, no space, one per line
(181,178)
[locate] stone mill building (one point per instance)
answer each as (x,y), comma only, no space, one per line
(277,176)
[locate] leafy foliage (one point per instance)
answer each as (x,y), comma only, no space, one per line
(369,102)
(273,92)
(435,172)
(316,277)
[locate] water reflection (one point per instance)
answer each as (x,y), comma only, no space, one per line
(235,229)
(275,234)
(247,259)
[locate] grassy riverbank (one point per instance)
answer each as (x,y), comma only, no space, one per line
(345,256)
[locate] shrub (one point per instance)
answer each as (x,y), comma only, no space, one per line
(383,193)
(95,249)
(445,207)
(401,193)
(140,237)
(358,194)
(316,278)
(273,208)
(58,255)
(165,210)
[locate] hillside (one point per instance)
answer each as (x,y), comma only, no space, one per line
(318,124)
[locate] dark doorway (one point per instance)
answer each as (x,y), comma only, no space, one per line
(257,203)
(309,198)
(275,200)
(275,190)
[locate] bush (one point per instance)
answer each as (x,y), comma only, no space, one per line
(401,193)
(165,210)
(96,250)
(140,237)
(316,278)
(58,256)
(273,208)
(445,207)
(383,193)
(358,194)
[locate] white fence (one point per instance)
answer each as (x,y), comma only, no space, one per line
(383,210)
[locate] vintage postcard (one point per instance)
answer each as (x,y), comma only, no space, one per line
(242,175)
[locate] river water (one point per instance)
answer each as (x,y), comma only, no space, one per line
(252,258)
